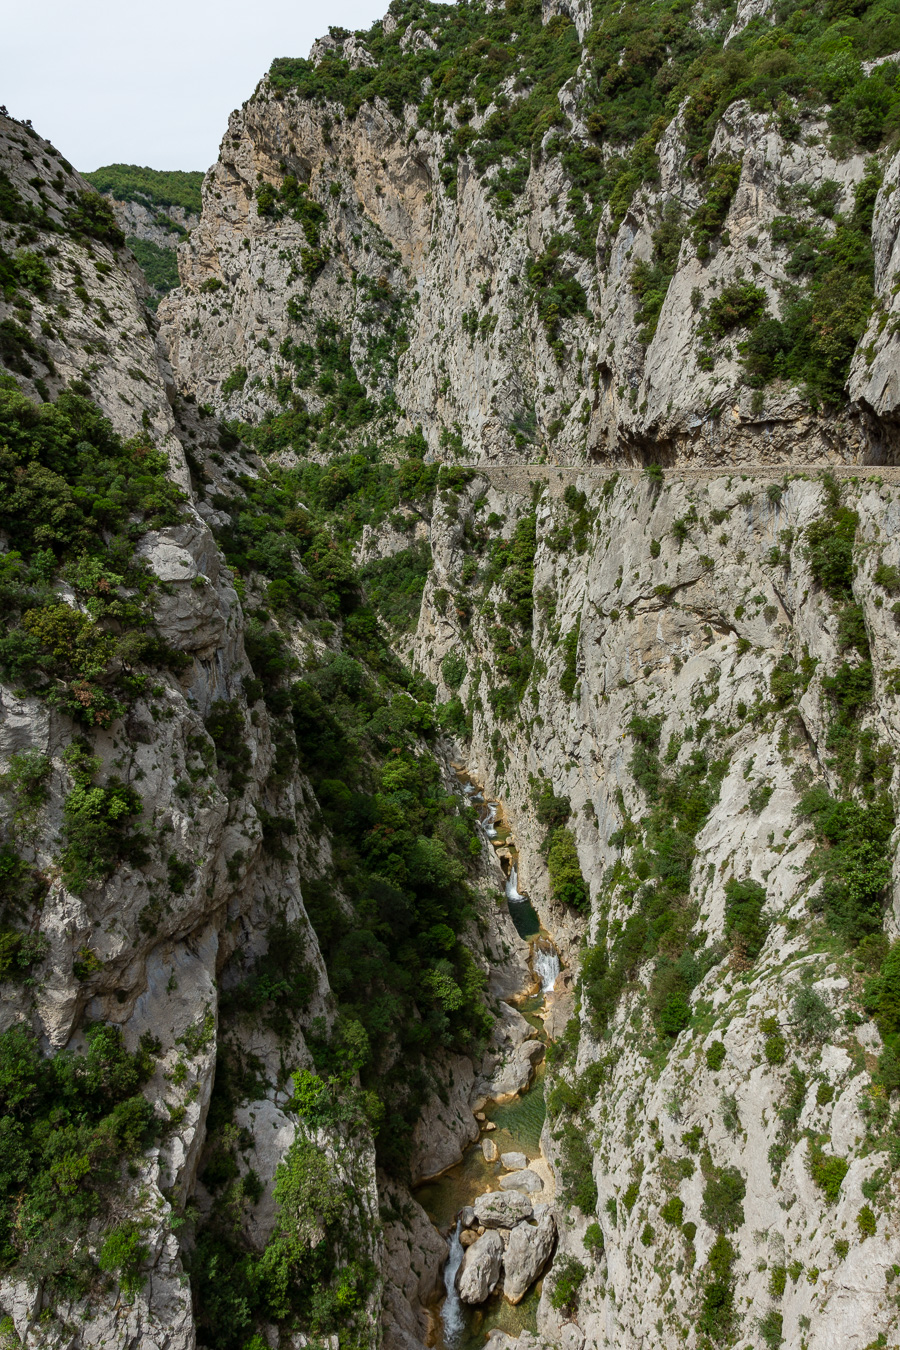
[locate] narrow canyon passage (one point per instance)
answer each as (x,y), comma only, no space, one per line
(509,1145)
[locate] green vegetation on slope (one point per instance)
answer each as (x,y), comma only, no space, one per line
(159,266)
(162,187)
(69,1124)
(52,456)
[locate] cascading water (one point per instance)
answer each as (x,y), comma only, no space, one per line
(511,884)
(488,823)
(545,959)
(452,1311)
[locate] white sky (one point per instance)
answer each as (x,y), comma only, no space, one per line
(111,81)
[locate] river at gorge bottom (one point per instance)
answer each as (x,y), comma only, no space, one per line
(518,1129)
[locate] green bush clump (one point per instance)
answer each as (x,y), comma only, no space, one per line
(708,220)
(812,1018)
(881,999)
(888,577)
(159,266)
(69,1124)
(825,311)
(577,1168)
(303,1275)
(279,983)
(827,1171)
(52,457)
(568,1276)
(775,1046)
(235,381)
(777,1281)
(93,217)
(770,1328)
(673,1211)
(631,1194)
(689,1230)
(675,1014)
(123,1253)
(829,546)
(715,1056)
(650,280)
(744,903)
(722,1199)
(593,1240)
(454,669)
(98,824)
(557,292)
(717,1306)
(568,678)
(567,884)
(853,859)
(394,585)
(129,183)
(228,730)
(657,884)
(865,1222)
(739,305)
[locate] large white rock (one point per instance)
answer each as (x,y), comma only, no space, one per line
(480,1270)
(524,1180)
(513,1161)
(526,1254)
(498,1209)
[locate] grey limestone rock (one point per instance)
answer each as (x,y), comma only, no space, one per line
(513,1160)
(526,1255)
(500,1209)
(524,1180)
(480,1270)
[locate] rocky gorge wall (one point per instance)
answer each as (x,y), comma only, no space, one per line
(674,652)
(235,840)
(159,835)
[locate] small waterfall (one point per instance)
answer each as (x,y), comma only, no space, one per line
(452,1312)
(511,884)
(488,823)
(545,959)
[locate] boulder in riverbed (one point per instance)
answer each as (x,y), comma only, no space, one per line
(480,1270)
(499,1209)
(525,1180)
(526,1255)
(513,1161)
(489,1149)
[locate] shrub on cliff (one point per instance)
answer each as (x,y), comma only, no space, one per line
(567,885)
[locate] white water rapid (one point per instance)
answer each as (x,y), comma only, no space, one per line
(488,823)
(546,966)
(452,1312)
(511,884)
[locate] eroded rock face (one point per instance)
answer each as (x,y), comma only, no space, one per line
(618,394)
(526,1254)
(513,1160)
(500,1209)
(525,1180)
(662,624)
(480,1270)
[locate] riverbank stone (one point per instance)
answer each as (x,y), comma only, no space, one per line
(480,1270)
(525,1256)
(499,1209)
(513,1162)
(489,1149)
(525,1180)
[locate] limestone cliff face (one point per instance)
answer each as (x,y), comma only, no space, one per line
(663,633)
(486,364)
(160,946)
(681,687)
(164,226)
